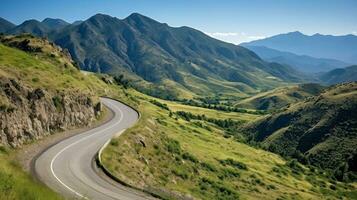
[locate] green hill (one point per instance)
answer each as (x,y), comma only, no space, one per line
(162,60)
(280,97)
(320,130)
(340,75)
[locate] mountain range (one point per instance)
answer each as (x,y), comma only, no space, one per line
(164,61)
(343,48)
(303,63)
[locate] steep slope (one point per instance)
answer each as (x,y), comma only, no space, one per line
(5,25)
(177,62)
(280,97)
(347,74)
(342,48)
(41,93)
(320,130)
(302,63)
(32,103)
(54,24)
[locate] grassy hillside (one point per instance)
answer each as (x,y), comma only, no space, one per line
(47,67)
(341,75)
(176,157)
(16,184)
(280,97)
(320,130)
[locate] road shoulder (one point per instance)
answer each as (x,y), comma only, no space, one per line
(27,154)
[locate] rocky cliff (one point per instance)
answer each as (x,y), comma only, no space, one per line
(32,113)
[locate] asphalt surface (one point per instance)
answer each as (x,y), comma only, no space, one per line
(67,167)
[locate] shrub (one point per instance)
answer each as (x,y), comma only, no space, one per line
(217,190)
(208,167)
(35,80)
(228,173)
(190,157)
(159,104)
(57,101)
(234,163)
(173,146)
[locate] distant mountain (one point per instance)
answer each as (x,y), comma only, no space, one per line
(280,97)
(320,130)
(54,23)
(5,25)
(347,74)
(31,26)
(302,63)
(165,61)
(342,48)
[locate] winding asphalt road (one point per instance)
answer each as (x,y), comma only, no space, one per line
(68,166)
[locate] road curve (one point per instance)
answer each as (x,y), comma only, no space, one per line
(67,167)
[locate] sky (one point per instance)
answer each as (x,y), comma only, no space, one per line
(233,21)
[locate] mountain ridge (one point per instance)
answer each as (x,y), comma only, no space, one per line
(304,63)
(167,61)
(342,47)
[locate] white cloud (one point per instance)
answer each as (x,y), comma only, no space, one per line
(234,37)
(253,37)
(222,34)
(354,32)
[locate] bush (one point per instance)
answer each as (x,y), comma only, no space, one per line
(234,163)
(35,80)
(228,173)
(159,104)
(190,157)
(217,190)
(208,167)
(173,146)
(57,101)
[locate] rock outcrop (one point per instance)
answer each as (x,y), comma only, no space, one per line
(28,114)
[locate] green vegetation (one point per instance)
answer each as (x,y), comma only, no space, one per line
(280,97)
(15,184)
(216,105)
(166,152)
(166,62)
(37,69)
(320,131)
(340,75)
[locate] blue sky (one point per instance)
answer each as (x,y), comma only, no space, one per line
(230,20)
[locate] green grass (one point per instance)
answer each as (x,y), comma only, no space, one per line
(174,106)
(180,156)
(35,70)
(16,184)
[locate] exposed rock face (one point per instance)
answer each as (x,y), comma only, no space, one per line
(30,113)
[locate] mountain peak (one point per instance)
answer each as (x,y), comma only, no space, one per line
(297,33)
(30,21)
(100,16)
(54,23)
(137,17)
